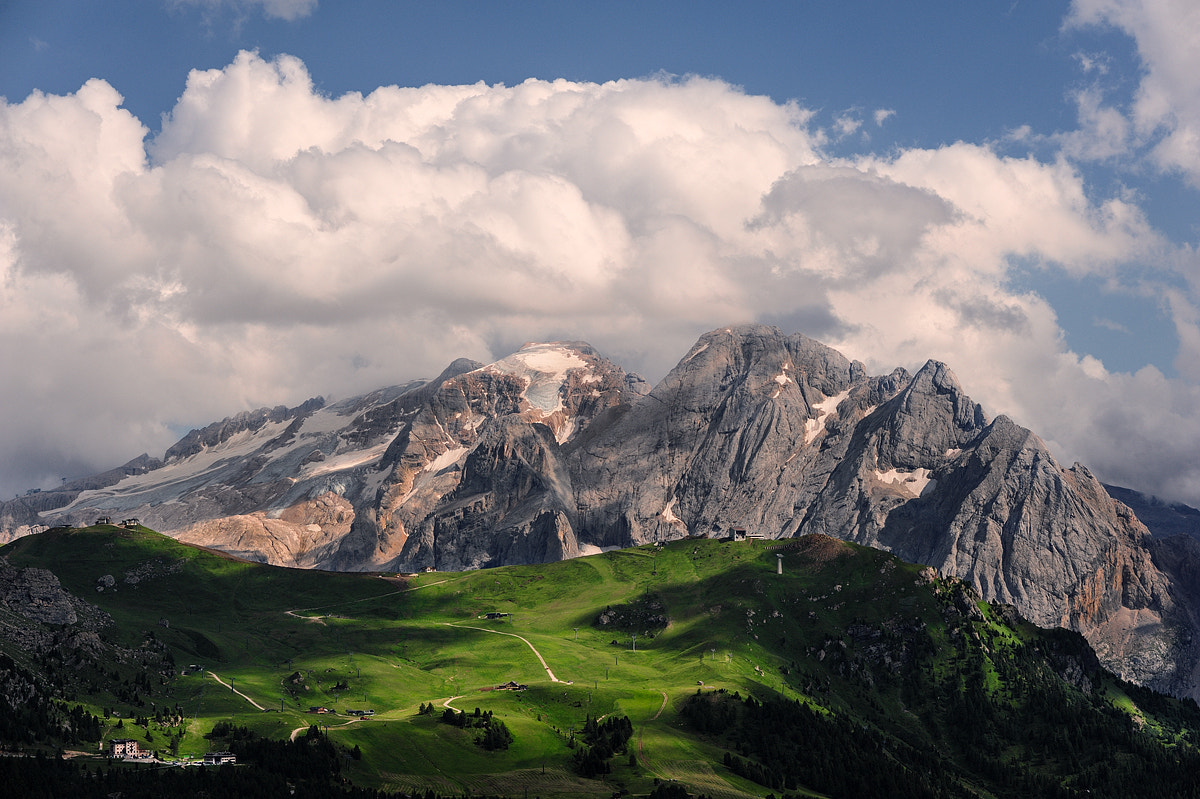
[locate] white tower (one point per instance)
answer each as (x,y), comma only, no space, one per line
(779,565)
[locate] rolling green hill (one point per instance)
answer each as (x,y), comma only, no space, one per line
(849,668)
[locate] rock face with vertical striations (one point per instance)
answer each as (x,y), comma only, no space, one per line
(36,595)
(555,451)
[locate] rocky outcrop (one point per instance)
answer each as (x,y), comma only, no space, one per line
(54,643)
(512,504)
(303,535)
(33,598)
(36,594)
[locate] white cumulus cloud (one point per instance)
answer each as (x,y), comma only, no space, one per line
(1165,112)
(273,243)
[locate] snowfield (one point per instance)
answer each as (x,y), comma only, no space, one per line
(544,368)
(823,408)
(917,482)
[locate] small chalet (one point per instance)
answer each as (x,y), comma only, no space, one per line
(319,709)
(104,520)
(219,758)
(742,534)
(359,712)
(127,523)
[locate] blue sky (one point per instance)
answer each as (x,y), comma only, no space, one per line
(1010,187)
(958,70)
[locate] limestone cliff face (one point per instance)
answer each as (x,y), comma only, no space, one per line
(782,437)
(729,437)
(512,504)
(555,451)
(473,475)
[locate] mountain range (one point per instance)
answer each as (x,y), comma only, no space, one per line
(555,451)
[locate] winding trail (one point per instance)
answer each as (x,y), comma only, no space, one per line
(661,707)
(236,691)
(296,613)
(296,732)
(314,619)
(641,755)
(512,635)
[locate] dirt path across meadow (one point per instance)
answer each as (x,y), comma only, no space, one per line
(236,691)
(641,755)
(296,732)
(513,635)
(296,613)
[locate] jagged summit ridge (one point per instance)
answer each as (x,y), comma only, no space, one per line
(554,451)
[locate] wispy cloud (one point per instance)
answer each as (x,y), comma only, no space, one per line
(847,124)
(1109,324)
(1104,132)
(276,9)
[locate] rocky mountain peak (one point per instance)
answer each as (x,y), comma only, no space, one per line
(763,355)
(554,451)
(928,418)
(248,421)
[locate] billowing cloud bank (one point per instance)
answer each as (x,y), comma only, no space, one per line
(273,243)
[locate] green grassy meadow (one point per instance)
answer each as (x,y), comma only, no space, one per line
(292,639)
(391,643)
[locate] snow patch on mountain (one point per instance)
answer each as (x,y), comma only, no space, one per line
(166,483)
(917,482)
(592,549)
(347,460)
(329,419)
(544,368)
(668,513)
(823,408)
(450,457)
(567,430)
(695,352)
